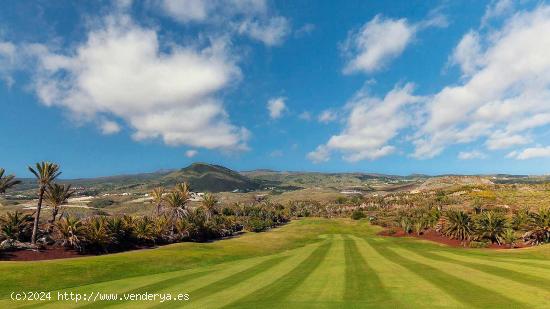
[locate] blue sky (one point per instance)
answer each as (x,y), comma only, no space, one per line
(394,87)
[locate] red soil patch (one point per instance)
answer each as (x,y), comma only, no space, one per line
(49,253)
(434,236)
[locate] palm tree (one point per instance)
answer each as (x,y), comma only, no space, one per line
(7,181)
(176,203)
(57,195)
(458,225)
(158,198)
(183,189)
(45,173)
(71,230)
(209,204)
(491,226)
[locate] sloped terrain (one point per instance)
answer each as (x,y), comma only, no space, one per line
(311,263)
(211,178)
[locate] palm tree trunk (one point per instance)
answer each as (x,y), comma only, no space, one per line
(37,217)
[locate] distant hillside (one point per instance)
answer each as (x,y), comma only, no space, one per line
(212,178)
(202,177)
(314,179)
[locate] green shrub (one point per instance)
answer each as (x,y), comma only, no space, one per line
(357,215)
(257,225)
(101,203)
(457,224)
(491,225)
(16,226)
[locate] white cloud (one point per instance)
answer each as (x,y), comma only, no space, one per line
(530,153)
(505,95)
(191,153)
(327,116)
(8,58)
(382,39)
(245,17)
(467,53)
(377,42)
(304,30)
(320,154)
(503,140)
(372,123)
(276,107)
(211,11)
(276,153)
(271,32)
(187,10)
(109,127)
(121,71)
(495,9)
(470,155)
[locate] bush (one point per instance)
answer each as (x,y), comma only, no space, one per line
(358,215)
(257,225)
(491,225)
(101,203)
(457,224)
(16,226)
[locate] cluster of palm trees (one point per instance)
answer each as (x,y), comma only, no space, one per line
(172,219)
(174,203)
(55,195)
(479,227)
(496,226)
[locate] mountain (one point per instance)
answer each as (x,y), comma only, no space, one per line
(209,177)
(201,177)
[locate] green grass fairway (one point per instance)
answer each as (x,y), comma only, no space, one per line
(311,263)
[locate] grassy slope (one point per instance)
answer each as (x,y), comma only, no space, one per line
(312,263)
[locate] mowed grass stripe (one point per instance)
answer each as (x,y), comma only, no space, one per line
(530,296)
(129,285)
(404,286)
(461,290)
(362,282)
(215,274)
(228,282)
(326,282)
(155,283)
(523,274)
(275,293)
(526,261)
(230,295)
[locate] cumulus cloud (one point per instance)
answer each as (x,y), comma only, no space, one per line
(246,17)
(506,93)
(120,71)
(109,127)
(8,58)
(270,32)
(495,9)
(530,153)
(371,124)
(327,116)
(467,53)
(319,155)
(191,153)
(276,107)
(377,42)
(382,39)
(469,155)
(304,30)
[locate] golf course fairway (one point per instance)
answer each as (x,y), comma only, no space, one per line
(309,263)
